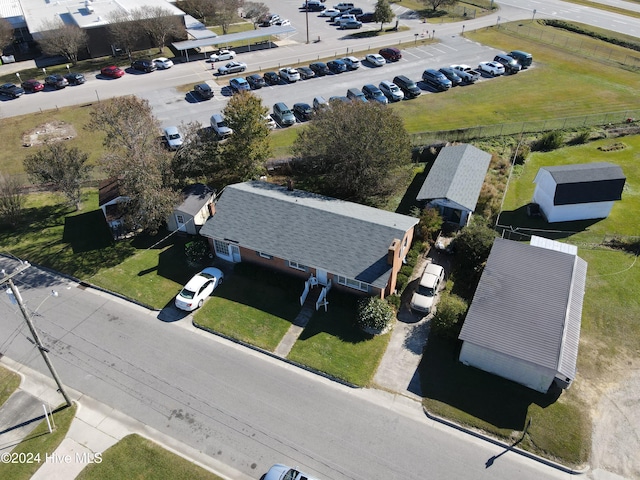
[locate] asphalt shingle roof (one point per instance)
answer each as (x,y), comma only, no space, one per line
(528,305)
(341,237)
(457,175)
(195,197)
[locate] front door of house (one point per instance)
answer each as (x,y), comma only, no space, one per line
(235,253)
(322,276)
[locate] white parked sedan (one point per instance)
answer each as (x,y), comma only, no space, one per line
(222,55)
(232,67)
(376,59)
(162,63)
(330,12)
(173,138)
(282,472)
(196,291)
(492,68)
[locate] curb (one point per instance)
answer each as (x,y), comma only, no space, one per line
(506,446)
(276,357)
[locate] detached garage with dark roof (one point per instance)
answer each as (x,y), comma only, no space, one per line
(524,321)
(578,192)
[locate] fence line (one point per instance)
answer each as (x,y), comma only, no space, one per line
(517,128)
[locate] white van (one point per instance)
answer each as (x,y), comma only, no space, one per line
(219,126)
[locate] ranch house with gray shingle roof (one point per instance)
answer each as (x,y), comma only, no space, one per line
(341,244)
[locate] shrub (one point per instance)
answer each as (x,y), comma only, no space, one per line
(406,270)
(395,301)
(582,137)
(449,316)
(550,141)
(401,282)
(374,313)
(521,154)
(429,225)
(196,251)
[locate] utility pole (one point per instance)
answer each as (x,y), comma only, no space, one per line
(43,350)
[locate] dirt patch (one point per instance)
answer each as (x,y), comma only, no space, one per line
(55,131)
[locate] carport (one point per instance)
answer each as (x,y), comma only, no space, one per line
(231,39)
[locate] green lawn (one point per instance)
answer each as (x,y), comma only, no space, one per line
(9,382)
(332,343)
(39,442)
(135,457)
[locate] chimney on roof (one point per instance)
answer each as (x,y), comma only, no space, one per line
(391,253)
(289,184)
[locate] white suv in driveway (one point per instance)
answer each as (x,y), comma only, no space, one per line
(424,298)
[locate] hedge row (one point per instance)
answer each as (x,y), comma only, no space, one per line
(572,27)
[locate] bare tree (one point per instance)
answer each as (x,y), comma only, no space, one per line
(125,32)
(61,166)
(60,39)
(6,33)
(255,11)
(435,4)
(11,200)
(159,23)
(200,9)
(226,12)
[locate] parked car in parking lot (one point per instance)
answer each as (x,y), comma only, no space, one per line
(219,126)
(271,78)
(352,63)
(436,79)
(270,19)
(256,81)
(408,86)
(222,55)
(303,111)
(289,74)
(56,81)
(112,71)
(492,68)
(283,115)
(11,90)
(331,13)
(336,66)
(75,78)
(524,59)
(510,64)
(232,67)
(351,25)
(339,98)
(163,63)
(424,299)
(305,73)
(203,90)
(344,6)
(375,60)
(391,91)
(319,103)
(319,68)
(451,74)
(271,123)
(32,85)
(365,17)
(373,93)
(144,65)
(354,11)
(344,18)
(198,289)
(173,138)
(391,53)
(356,95)
(312,6)
(239,85)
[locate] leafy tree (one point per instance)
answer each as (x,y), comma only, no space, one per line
(435,4)
(125,32)
(255,11)
(159,23)
(357,151)
(449,316)
(11,200)
(429,225)
(198,161)
(61,39)
(246,150)
(226,12)
(63,167)
(382,12)
(472,247)
(136,157)
(374,313)
(200,9)
(6,33)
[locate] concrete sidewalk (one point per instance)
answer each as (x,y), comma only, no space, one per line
(95,428)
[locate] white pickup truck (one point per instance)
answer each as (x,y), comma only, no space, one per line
(466,73)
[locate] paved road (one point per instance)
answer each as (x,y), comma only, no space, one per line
(238,406)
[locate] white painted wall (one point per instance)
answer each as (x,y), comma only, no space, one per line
(522,372)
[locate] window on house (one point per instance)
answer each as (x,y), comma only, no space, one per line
(350,282)
(264,255)
(180,218)
(297,266)
(222,248)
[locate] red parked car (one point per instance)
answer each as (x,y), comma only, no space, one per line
(392,54)
(112,71)
(32,85)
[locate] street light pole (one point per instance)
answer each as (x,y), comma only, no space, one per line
(43,350)
(306,17)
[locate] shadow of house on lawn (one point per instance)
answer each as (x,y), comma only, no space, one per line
(523,226)
(87,231)
(492,399)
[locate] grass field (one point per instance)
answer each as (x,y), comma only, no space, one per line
(9,382)
(135,457)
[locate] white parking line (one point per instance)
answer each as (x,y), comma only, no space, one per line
(426,52)
(407,52)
